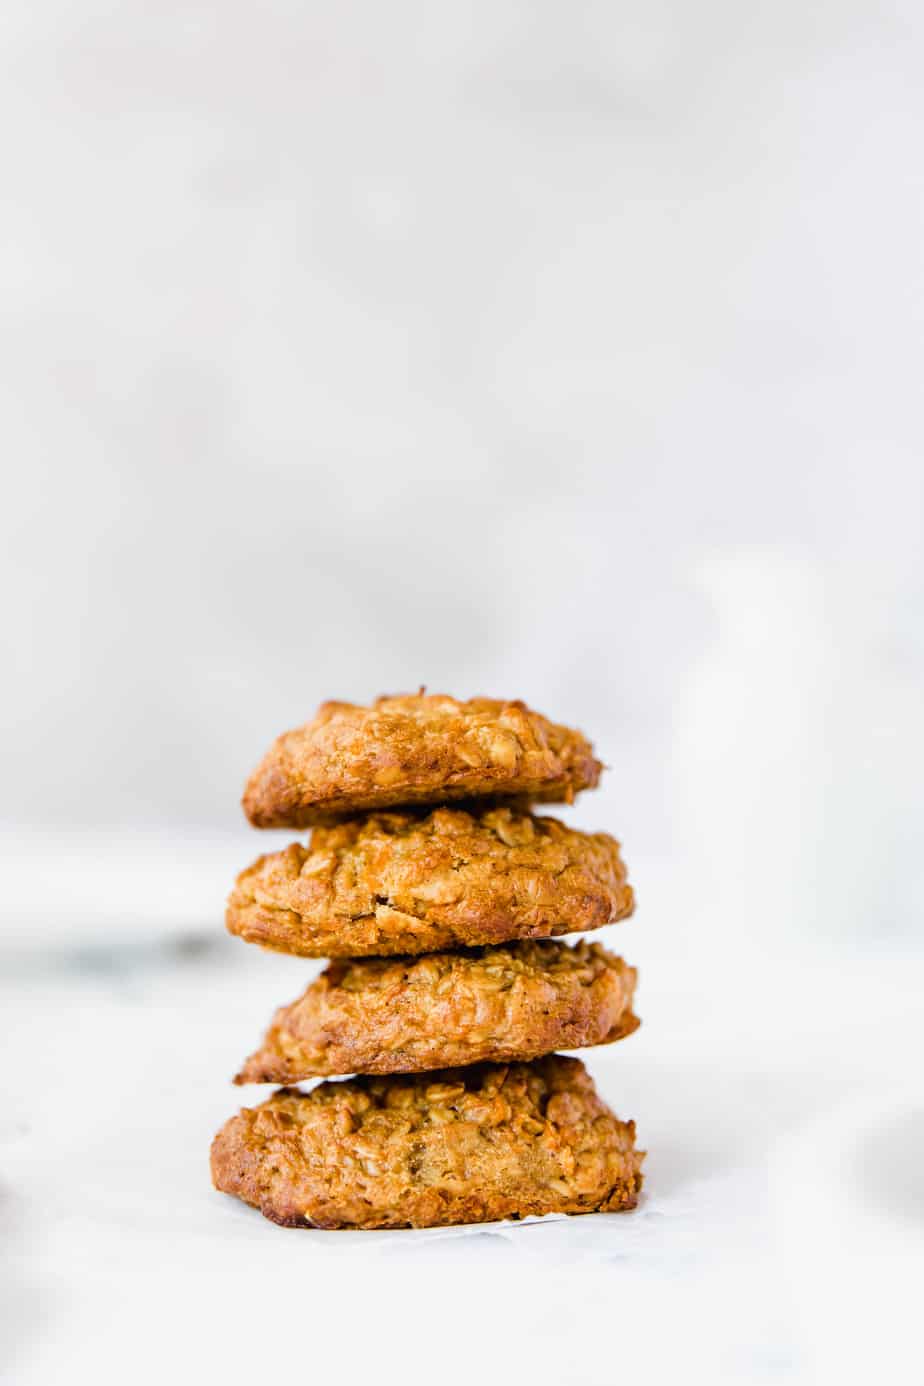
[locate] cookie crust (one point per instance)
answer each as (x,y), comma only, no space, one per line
(415,749)
(396,883)
(459,1146)
(444,1010)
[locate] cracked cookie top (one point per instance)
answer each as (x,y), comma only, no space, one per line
(515,1001)
(415,749)
(419,882)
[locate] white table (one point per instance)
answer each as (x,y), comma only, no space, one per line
(779,1238)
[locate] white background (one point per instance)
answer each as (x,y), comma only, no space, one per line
(563,352)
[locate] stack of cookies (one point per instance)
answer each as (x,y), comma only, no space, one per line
(440,897)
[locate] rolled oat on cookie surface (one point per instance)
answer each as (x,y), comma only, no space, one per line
(418,882)
(458,1146)
(515,1001)
(415,748)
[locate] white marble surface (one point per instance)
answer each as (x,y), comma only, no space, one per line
(779,1238)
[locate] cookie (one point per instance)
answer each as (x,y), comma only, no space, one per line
(462,1145)
(415,749)
(444,1010)
(397,883)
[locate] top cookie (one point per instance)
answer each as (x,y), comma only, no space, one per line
(415,749)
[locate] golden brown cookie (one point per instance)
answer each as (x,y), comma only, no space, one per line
(462,1145)
(414,749)
(419,882)
(444,1010)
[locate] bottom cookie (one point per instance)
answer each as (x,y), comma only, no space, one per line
(428,1150)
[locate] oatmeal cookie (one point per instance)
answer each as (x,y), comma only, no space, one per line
(418,882)
(415,749)
(462,1145)
(444,1010)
